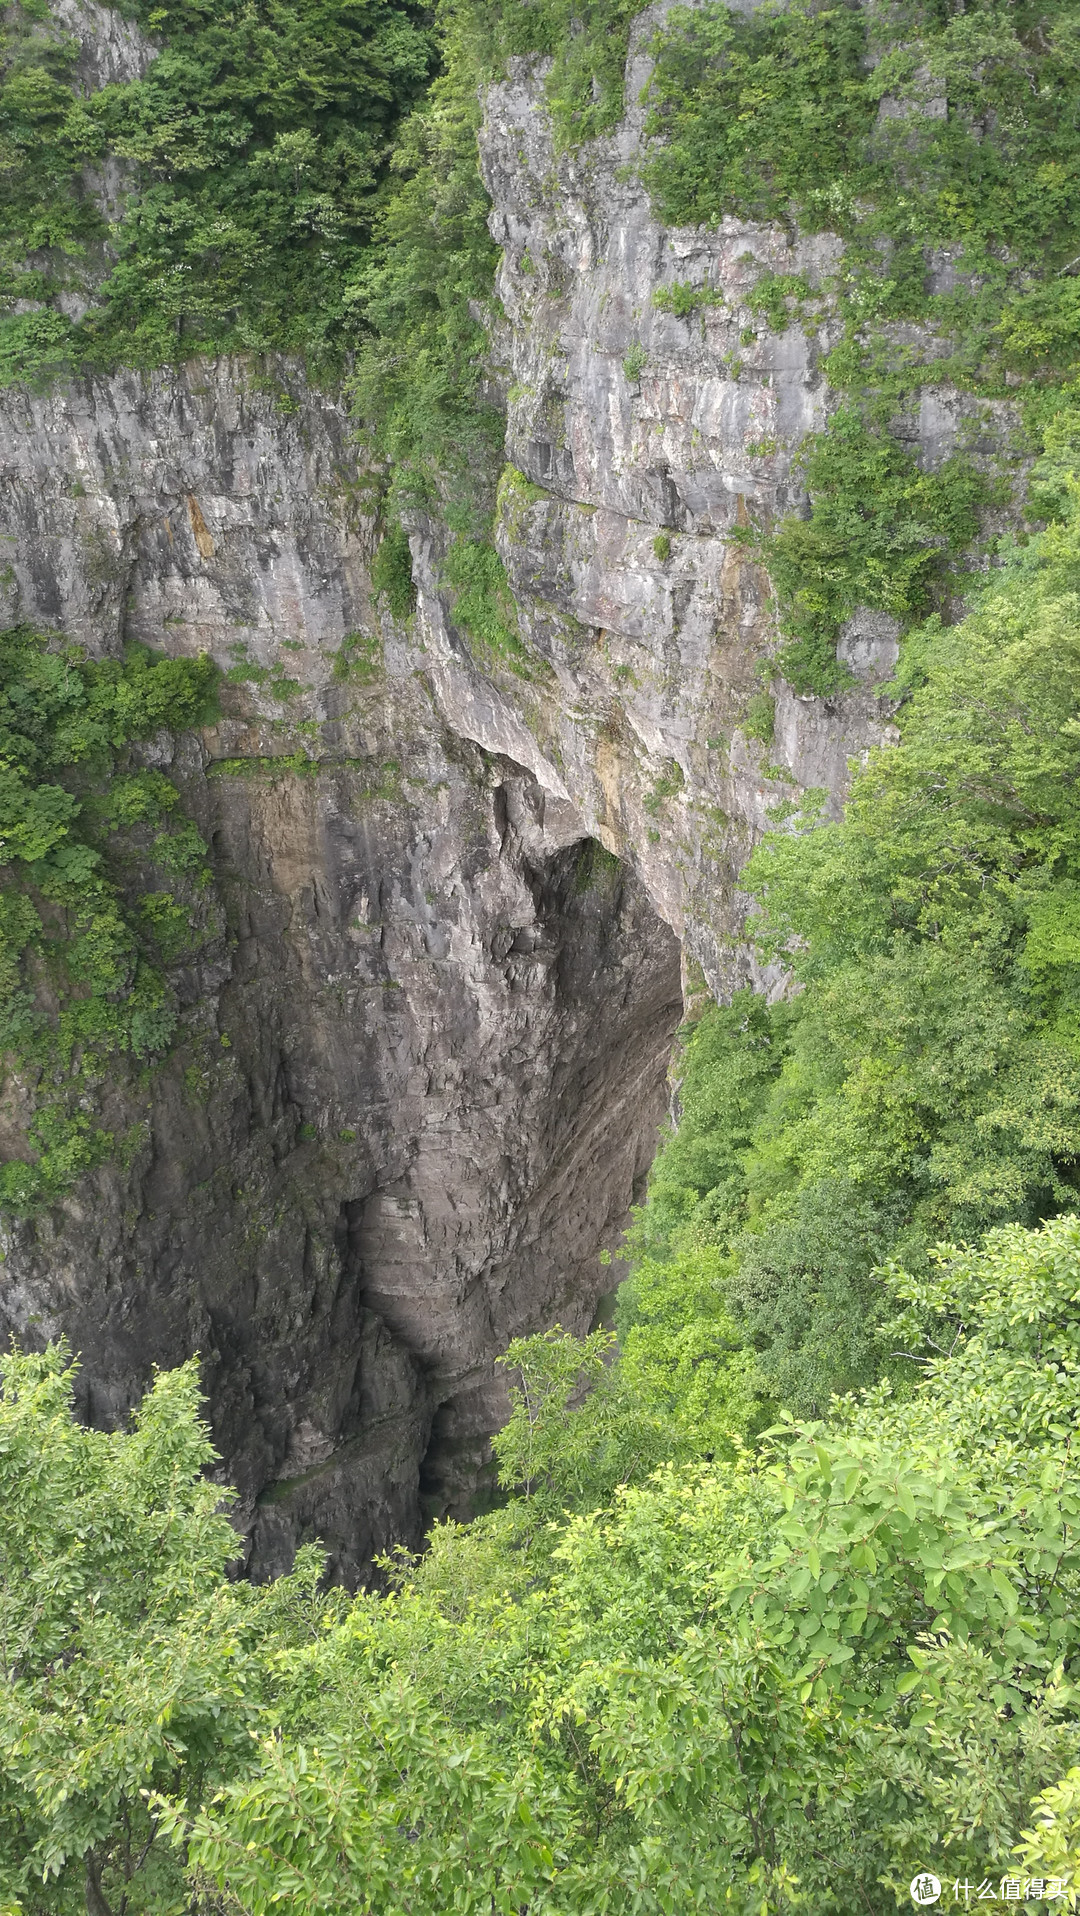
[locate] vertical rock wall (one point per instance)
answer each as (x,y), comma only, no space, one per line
(641,440)
(423,1064)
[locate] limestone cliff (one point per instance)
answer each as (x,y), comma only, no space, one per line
(646,438)
(423,1064)
(446,1030)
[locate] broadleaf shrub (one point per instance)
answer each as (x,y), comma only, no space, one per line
(82,966)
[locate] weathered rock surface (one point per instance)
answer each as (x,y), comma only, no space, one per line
(108,48)
(423,1063)
(647,438)
(423,1070)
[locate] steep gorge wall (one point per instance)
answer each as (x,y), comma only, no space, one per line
(635,426)
(423,1063)
(422,1066)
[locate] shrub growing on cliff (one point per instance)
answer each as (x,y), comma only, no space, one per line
(392,574)
(881,533)
(82,979)
(420,293)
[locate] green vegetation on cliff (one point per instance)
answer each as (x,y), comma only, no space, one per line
(282,178)
(941,146)
(900,128)
(425,285)
(926,1080)
(251,159)
(881,533)
(100,887)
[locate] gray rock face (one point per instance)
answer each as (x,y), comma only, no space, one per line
(647,438)
(221,509)
(423,1064)
(108,48)
(421,1073)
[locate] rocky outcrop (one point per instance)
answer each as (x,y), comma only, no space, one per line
(422,1070)
(108,48)
(423,1060)
(644,439)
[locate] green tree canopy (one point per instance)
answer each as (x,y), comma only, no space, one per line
(783,1682)
(133,1662)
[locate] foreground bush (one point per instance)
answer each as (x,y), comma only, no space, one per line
(786,1682)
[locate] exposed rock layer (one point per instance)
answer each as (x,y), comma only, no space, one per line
(422,1069)
(647,438)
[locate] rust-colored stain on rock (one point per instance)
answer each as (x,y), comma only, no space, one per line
(200,528)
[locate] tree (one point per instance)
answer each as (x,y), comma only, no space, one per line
(130,1659)
(779,1684)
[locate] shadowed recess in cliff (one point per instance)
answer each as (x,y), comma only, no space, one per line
(444,1023)
(501,1207)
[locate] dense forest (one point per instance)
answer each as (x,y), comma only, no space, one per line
(778,1607)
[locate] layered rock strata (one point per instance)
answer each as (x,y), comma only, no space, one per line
(423,1058)
(644,440)
(423,1064)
